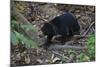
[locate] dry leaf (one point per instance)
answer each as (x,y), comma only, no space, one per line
(55,59)
(27,59)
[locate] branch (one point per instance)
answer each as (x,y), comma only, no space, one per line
(19,16)
(66,46)
(88,29)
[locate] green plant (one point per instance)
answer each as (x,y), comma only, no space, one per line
(90,56)
(91,47)
(18,36)
(83,57)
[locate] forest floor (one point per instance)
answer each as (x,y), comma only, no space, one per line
(39,13)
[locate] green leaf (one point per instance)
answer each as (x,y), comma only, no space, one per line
(82,57)
(28,27)
(14,39)
(28,43)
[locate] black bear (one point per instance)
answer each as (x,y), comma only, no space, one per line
(65,25)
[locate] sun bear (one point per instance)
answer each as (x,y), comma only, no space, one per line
(65,25)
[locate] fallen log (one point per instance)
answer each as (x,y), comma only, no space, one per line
(67,45)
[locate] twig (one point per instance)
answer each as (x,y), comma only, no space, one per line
(77,37)
(93,29)
(55,52)
(88,29)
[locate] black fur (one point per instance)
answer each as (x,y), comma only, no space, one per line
(65,25)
